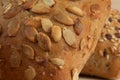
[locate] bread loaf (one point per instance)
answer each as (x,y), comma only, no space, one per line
(105,62)
(46,39)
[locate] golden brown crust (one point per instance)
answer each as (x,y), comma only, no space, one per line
(34,51)
(105,62)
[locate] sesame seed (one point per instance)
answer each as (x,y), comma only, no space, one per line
(113,40)
(114,47)
(101,52)
(101,40)
(108,31)
(104,38)
(107,57)
(116,44)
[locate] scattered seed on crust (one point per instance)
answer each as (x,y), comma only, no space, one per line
(13,27)
(40,8)
(82,43)
(7,8)
(15,59)
(28,51)
(57,61)
(69,36)
(44,41)
(32,22)
(28,4)
(12,12)
(78,27)
(56,33)
(75,74)
(30,73)
(75,10)
(49,2)
(31,33)
(63,18)
(46,24)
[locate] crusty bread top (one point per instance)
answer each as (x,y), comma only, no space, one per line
(44,38)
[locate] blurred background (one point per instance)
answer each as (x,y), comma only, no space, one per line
(116,4)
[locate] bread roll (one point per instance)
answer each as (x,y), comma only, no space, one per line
(105,62)
(46,39)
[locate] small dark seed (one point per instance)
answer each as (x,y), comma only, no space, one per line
(43,62)
(110,19)
(118,20)
(108,36)
(105,25)
(117,35)
(108,66)
(105,53)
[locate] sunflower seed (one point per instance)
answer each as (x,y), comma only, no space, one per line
(7,8)
(30,73)
(82,43)
(12,12)
(75,74)
(63,18)
(31,33)
(28,4)
(57,61)
(56,33)
(32,22)
(40,8)
(75,10)
(28,51)
(13,27)
(69,37)
(49,2)
(15,59)
(44,41)
(46,24)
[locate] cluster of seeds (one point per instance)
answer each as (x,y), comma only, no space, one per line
(111,34)
(31,32)
(46,25)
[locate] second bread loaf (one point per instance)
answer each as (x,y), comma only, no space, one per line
(105,62)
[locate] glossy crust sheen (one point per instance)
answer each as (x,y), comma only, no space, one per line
(32,48)
(105,62)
